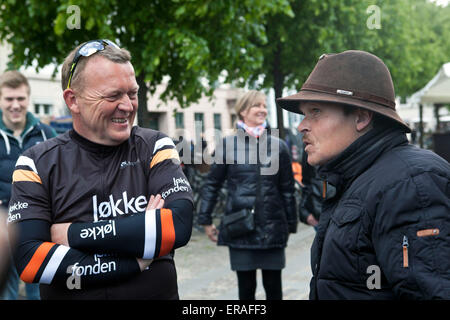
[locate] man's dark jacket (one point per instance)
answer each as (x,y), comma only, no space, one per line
(11,148)
(271,195)
(388,220)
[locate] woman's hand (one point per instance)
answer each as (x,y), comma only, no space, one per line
(211,232)
(311,220)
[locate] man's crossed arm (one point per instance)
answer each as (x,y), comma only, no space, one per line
(128,245)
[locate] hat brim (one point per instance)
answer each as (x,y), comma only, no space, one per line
(291,103)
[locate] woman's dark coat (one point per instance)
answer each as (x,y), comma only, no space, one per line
(253,182)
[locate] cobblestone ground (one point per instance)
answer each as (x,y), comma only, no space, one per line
(204,269)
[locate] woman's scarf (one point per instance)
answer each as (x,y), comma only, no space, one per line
(253,131)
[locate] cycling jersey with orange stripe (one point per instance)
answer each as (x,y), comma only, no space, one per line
(104,191)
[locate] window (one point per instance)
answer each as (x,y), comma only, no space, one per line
(217,121)
(231,103)
(152,120)
(179,120)
(43,109)
(198,117)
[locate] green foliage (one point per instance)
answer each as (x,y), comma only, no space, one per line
(196,43)
(191,42)
(414,40)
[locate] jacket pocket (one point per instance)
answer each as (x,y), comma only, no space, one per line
(429,247)
(422,233)
(428,232)
(346,215)
(341,247)
(347,225)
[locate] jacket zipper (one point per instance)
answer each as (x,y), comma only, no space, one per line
(21,139)
(405,246)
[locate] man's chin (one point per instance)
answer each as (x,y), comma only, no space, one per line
(116,138)
(122,136)
(312,161)
(17,120)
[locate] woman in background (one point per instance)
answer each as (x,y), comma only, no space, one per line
(251,185)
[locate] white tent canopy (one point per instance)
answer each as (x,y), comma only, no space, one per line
(437,90)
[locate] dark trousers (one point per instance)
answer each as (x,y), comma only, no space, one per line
(271,281)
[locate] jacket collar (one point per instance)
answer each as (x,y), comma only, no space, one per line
(93,147)
(359,156)
(253,131)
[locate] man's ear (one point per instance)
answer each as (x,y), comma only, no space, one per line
(71,101)
(363,119)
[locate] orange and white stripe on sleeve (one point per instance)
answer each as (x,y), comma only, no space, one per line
(164,150)
(25,171)
(43,264)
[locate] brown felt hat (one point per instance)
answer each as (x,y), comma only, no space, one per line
(355,78)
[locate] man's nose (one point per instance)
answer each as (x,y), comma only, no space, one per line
(15,104)
(125,104)
(303,126)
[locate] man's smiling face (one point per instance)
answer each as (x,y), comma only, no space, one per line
(107,101)
(14,104)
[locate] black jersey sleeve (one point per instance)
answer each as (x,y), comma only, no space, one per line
(149,235)
(166,176)
(29,195)
(38,260)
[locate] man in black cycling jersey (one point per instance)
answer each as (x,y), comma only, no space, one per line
(100,209)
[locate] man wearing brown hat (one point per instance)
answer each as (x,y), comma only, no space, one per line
(384,232)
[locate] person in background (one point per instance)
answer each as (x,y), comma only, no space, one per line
(270,198)
(308,184)
(19,130)
(384,231)
(312,194)
(294,142)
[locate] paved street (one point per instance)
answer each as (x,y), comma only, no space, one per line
(204,269)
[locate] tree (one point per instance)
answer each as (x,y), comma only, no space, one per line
(191,43)
(292,48)
(196,43)
(412,38)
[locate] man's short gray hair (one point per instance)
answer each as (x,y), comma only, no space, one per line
(117,55)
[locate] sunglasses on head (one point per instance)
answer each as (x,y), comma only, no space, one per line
(86,50)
